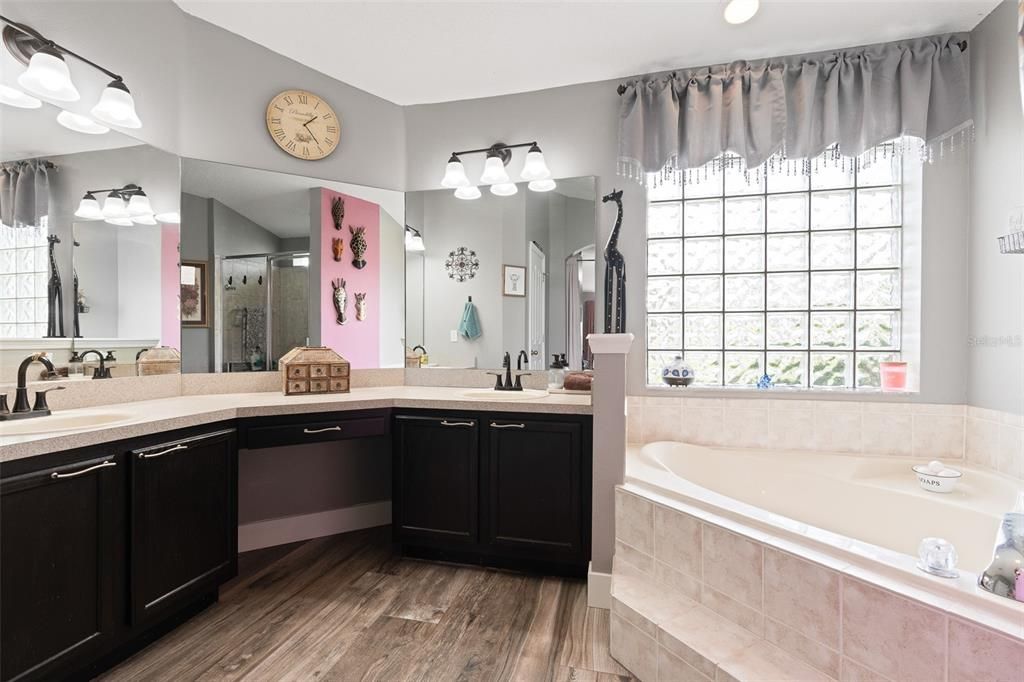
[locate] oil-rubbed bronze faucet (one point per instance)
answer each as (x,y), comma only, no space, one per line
(508,384)
(21,408)
(101,372)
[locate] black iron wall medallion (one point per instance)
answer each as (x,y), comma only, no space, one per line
(462,264)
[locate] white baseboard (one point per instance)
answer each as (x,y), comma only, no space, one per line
(599,589)
(307,526)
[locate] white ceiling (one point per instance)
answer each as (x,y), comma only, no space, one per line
(278,202)
(420,52)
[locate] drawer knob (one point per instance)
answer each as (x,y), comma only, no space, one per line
(327,428)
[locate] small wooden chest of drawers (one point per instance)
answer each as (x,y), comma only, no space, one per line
(314,370)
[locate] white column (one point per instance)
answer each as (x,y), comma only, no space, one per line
(609,448)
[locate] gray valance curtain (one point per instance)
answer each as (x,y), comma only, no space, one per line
(798,106)
(25,192)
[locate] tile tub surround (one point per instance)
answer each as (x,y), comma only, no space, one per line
(986,438)
(709,601)
(165,414)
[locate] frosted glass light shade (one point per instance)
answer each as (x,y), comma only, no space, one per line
(114,207)
(542,185)
(13,97)
(117,107)
(139,205)
(89,208)
(468,193)
(504,189)
(414,242)
(535,168)
(494,171)
(48,76)
(81,124)
(147,219)
(171,217)
(741,11)
(455,174)
(120,222)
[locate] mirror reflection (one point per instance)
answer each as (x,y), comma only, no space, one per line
(500,274)
(261,252)
(88,246)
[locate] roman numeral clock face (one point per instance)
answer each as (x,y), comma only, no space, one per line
(303,125)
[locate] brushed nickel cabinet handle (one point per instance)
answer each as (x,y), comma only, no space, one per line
(445,422)
(94,467)
(151,455)
(508,426)
(329,428)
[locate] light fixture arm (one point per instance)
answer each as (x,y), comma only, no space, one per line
(125,191)
(35,35)
(499,149)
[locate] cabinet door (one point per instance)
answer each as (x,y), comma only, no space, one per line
(435,480)
(58,540)
(533,493)
(183,517)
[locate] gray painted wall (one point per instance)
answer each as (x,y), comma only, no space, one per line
(236,235)
(202,91)
(577,127)
(197,244)
(996,288)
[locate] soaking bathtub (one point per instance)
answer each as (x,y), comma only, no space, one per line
(857,514)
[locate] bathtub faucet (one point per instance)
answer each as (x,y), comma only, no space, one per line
(1005,575)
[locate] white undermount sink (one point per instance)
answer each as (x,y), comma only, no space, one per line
(62,422)
(491,394)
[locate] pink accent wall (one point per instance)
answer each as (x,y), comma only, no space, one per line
(170,288)
(358,342)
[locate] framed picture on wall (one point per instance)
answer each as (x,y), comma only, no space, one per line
(513,279)
(194,294)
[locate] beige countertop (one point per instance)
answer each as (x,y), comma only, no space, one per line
(153,416)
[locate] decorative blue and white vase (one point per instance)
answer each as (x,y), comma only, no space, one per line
(765,382)
(678,373)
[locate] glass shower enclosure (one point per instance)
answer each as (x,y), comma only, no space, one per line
(264,304)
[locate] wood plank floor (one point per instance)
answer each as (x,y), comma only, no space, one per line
(346,608)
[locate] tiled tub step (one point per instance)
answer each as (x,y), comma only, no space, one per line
(665,638)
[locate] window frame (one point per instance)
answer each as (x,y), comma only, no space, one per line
(806,350)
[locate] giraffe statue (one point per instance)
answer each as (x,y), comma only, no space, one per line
(614,267)
(54,296)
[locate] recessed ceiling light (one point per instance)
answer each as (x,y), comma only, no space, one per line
(741,11)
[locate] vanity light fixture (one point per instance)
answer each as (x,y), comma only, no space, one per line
(455,174)
(48,76)
(504,189)
(89,208)
(81,124)
(123,206)
(494,170)
(535,171)
(741,11)
(171,218)
(413,240)
(468,193)
(16,98)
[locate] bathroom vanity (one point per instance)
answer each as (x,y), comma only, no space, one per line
(122,540)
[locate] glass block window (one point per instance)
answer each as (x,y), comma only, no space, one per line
(795,273)
(23,277)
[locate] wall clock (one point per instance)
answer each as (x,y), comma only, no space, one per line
(303,124)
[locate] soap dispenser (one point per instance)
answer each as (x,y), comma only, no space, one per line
(1005,575)
(556,373)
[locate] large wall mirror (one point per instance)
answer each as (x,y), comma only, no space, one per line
(88,243)
(524,263)
(270,261)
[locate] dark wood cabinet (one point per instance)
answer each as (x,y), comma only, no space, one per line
(502,489)
(183,521)
(436,467)
(60,559)
(533,478)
